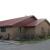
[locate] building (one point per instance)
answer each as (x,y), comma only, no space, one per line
(27,27)
(39,28)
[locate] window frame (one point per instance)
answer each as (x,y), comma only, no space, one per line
(3,29)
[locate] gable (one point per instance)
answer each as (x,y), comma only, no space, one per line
(44,23)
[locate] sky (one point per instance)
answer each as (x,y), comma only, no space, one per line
(18,8)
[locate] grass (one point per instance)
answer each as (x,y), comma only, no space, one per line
(48,37)
(33,41)
(30,41)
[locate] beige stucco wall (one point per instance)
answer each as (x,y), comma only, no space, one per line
(30,32)
(12,31)
(39,27)
(9,30)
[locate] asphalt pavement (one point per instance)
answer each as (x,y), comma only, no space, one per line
(44,45)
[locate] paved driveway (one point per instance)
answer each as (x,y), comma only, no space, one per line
(45,45)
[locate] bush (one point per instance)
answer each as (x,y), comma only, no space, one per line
(48,32)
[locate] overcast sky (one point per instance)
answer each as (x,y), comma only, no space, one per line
(18,8)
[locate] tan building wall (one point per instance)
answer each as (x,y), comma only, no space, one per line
(30,32)
(42,27)
(12,31)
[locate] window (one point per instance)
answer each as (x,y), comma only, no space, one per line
(20,29)
(3,29)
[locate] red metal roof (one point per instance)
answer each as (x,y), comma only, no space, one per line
(18,21)
(22,21)
(36,22)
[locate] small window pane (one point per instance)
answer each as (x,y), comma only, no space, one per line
(3,29)
(20,29)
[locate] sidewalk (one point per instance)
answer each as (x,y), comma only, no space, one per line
(11,42)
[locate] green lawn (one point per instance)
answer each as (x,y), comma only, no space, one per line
(30,41)
(48,37)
